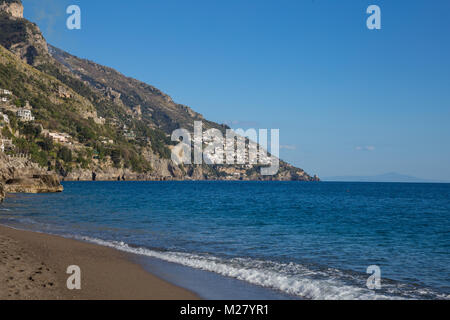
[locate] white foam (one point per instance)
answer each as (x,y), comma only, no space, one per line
(289,278)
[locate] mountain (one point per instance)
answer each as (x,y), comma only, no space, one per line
(92,122)
(142,100)
(387,177)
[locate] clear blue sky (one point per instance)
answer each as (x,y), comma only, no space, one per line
(347,100)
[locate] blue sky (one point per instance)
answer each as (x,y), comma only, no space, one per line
(347,100)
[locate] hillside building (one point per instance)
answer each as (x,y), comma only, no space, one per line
(25,115)
(60,137)
(4,118)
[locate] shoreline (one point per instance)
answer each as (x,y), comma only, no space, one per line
(33,267)
(136,219)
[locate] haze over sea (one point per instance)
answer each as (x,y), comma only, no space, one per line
(305,240)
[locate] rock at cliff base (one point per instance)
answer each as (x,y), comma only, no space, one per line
(35,184)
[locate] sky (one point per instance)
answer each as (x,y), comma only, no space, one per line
(347,100)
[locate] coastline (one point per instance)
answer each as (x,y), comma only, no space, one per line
(146,224)
(33,266)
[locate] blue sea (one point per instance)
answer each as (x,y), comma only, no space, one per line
(274,240)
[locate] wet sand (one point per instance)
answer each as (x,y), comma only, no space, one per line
(34,265)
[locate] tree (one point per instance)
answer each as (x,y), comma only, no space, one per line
(115,157)
(46,144)
(65,154)
(85,133)
(30,130)
(19,103)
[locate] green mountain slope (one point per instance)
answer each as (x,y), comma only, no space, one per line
(117,127)
(155,107)
(56,108)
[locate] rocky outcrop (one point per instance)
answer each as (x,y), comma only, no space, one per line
(35,184)
(137,112)
(20,36)
(20,175)
(12,7)
(2,192)
(17,167)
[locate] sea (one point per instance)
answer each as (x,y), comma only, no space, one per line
(262,240)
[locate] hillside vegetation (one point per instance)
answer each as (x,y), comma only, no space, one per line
(90,120)
(69,113)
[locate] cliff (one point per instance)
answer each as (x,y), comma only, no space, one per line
(46,183)
(20,175)
(92,122)
(20,36)
(12,7)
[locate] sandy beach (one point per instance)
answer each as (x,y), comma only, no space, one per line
(34,265)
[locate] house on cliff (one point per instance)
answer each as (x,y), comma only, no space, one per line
(25,115)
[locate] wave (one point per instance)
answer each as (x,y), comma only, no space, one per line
(295,279)
(291,278)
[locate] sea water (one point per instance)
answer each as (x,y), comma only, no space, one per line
(287,239)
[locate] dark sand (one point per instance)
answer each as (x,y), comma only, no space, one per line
(34,265)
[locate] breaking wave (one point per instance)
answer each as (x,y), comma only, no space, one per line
(290,278)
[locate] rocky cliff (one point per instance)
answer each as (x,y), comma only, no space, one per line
(19,35)
(21,175)
(2,192)
(12,7)
(39,183)
(113,127)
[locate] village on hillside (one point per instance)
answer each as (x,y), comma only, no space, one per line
(12,111)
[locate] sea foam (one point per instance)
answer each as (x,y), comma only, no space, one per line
(290,278)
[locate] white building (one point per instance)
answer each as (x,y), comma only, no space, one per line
(4,99)
(4,117)
(25,115)
(105,140)
(4,91)
(60,137)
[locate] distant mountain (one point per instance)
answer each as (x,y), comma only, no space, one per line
(387,177)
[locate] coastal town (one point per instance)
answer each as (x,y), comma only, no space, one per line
(84,121)
(11,109)
(74,159)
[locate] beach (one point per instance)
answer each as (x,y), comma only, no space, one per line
(236,240)
(33,266)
